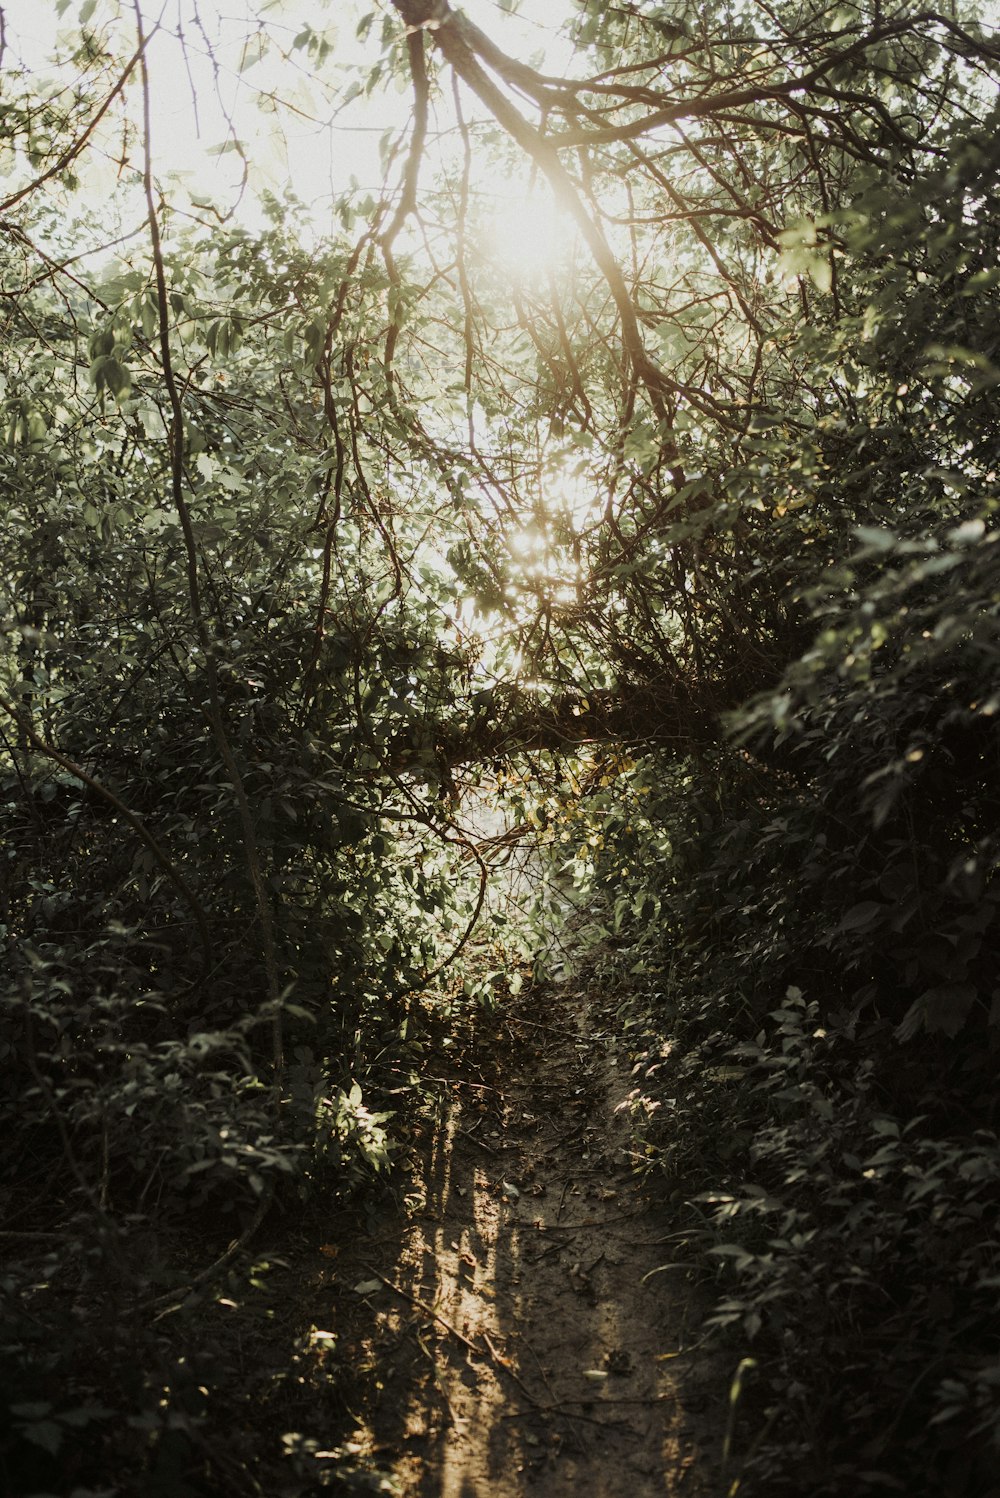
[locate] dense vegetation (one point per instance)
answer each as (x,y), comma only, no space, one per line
(677,536)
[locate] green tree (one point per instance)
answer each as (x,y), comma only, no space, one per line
(650,395)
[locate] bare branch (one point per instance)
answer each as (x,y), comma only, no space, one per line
(73,151)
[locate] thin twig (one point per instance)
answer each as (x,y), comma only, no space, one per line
(589,1399)
(73,151)
(502,1362)
(591,1222)
(37,1237)
(496,1358)
(174,1299)
(563,1140)
(175,443)
(461,1082)
(553,1248)
(456,1419)
(139,827)
(554,1030)
(555,1409)
(489,1148)
(428,1310)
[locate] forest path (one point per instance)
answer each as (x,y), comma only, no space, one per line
(529,1331)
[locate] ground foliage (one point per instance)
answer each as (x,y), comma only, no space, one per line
(683,539)
(823,944)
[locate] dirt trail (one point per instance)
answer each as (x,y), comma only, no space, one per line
(530,1339)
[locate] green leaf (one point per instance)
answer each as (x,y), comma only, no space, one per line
(862,916)
(968,533)
(947,1008)
(150,316)
(117,378)
(876,537)
(100,343)
(44,1433)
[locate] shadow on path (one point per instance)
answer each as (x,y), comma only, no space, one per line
(531,1333)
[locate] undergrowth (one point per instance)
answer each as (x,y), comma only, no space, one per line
(147,1137)
(812,918)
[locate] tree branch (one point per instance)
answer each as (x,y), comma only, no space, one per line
(456,40)
(73,151)
(141,831)
(176,455)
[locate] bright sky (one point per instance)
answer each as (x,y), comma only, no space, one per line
(237,72)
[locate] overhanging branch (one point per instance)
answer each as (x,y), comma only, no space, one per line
(457,43)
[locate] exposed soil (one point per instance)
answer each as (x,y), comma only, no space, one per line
(521,1328)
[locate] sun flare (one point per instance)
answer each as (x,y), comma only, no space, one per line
(527,235)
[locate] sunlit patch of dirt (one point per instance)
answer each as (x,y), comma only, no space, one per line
(529,1330)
